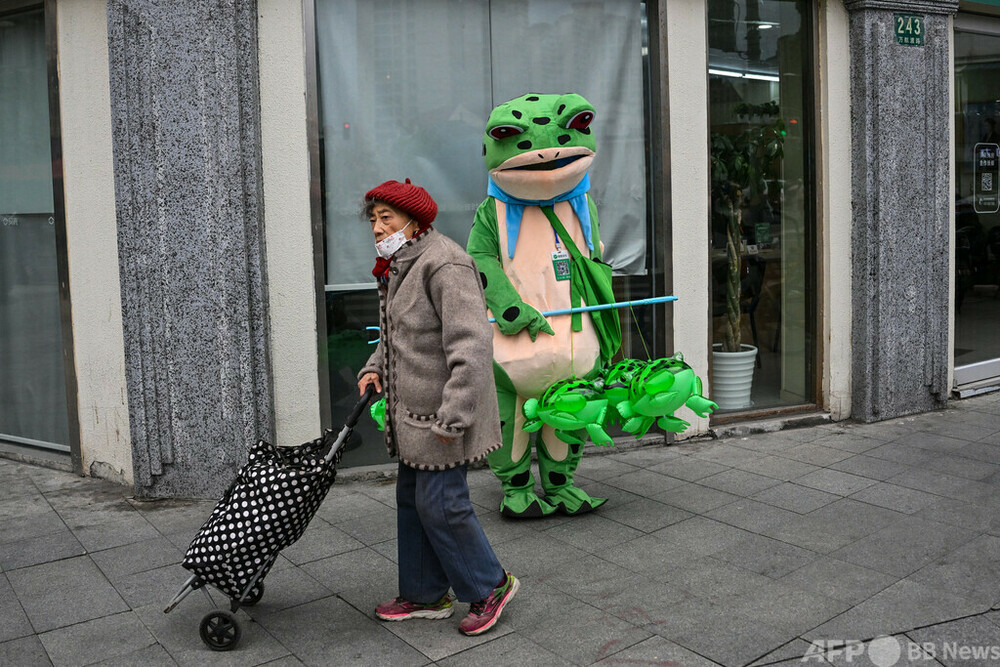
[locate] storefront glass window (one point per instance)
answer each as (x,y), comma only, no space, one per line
(405,89)
(763,291)
(32,385)
(977,204)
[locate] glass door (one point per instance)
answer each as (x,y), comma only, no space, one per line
(977,202)
(33,398)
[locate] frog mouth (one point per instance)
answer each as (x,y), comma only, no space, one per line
(546,159)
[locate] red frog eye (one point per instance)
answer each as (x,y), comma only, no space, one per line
(504,131)
(580,121)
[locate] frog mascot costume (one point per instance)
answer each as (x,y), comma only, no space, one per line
(534,239)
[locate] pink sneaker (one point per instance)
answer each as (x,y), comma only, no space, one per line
(401,610)
(483,615)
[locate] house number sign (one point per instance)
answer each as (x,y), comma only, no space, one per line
(909,29)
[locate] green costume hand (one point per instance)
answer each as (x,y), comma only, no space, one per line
(522,316)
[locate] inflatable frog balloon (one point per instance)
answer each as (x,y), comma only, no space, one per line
(663,386)
(570,406)
(538,150)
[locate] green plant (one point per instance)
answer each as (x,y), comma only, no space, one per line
(741,167)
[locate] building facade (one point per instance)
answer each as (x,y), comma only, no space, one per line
(184,269)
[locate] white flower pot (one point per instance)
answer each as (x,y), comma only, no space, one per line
(732,377)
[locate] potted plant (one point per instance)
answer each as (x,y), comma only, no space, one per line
(741,167)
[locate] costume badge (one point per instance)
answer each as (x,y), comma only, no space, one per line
(560,262)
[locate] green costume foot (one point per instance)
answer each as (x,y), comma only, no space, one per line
(524,505)
(572,500)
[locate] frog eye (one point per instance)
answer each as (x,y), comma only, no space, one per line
(504,131)
(580,121)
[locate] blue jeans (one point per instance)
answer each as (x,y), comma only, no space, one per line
(441,543)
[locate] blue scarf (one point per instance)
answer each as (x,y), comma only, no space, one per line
(515,209)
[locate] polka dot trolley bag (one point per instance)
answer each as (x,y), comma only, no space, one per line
(266,508)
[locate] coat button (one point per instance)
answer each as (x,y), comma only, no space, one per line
(394,270)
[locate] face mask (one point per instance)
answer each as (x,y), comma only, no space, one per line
(388,246)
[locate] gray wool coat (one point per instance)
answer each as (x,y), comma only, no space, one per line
(435,357)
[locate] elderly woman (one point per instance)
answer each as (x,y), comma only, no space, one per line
(434,361)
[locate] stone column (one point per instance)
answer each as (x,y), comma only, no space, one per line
(900,109)
(186,116)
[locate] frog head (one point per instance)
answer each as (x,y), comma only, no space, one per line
(537,147)
(663,386)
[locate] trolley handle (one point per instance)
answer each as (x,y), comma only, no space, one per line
(362,404)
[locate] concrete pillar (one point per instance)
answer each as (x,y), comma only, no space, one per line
(900,107)
(186,131)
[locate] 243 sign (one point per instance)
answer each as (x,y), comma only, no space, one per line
(909,29)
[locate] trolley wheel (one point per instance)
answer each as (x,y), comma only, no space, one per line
(220,631)
(254,596)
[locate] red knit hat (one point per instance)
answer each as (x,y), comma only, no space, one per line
(407,197)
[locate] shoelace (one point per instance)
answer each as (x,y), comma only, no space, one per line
(477,608)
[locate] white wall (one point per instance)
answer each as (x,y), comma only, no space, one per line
(291,283)
(687,74)
(92,241)
(835,216)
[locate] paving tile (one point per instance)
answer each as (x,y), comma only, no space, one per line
(639,457)
(177,633)
(540,614)
(648,555)
(24,651)
(64,592)
(641,601)
(355,506)
(97,640)
(899,608)
(701,535)
(43,549)
(966,570)
(374,529)
(717,581)
(871,467)
(726,454)
(947,430)
(839,580)
(751,515)
(509,649)
(653,651)
(150,656)
(765,556)
(835,525)
(171,517)
(777,467)
(941,484)
(156,587)
(37,524)
(969,642)
(688,468)
(440,639)
(987,450)
(645,483)
(592,532)
(13,621)
(977,516)
(792,651)
(796,498)
(363,569)
(739,482)
(788,608)
(717,633)
(900,452)
(815,454)
(644,514)
(320,540)
(106,528)
(696,498)
(905,546)
(605,467)
(942,441)
(850,441)
(834,481)
(898,498)
(120,562)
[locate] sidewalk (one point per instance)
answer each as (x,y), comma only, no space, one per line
(735,552)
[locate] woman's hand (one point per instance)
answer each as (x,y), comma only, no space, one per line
(367,379)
